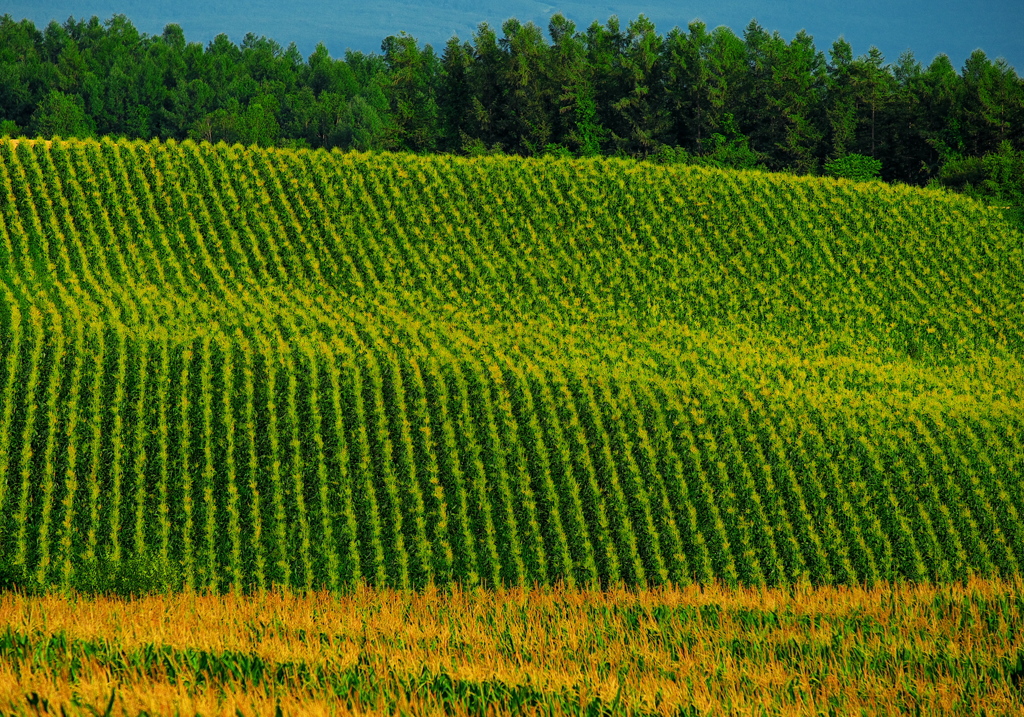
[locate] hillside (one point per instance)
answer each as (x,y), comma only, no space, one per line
(311,368)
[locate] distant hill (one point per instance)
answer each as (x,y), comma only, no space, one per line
(308,368)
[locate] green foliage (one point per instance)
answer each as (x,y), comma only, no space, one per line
(721,153)
(133,576)
(256,124)
(13,577)
(476,147)
(856,167)
(332,368)
(369,125)
(997,177)
(1005,170)
(963,173)
(558,150)
(412,78)
(612,89)
(61,115)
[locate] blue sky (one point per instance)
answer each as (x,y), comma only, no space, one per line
(928,27)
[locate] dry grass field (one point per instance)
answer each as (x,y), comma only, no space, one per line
(893,649)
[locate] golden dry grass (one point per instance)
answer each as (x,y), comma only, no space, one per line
(930,650)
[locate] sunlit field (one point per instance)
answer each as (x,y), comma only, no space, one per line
(713,650)
(312,369)
(396,434)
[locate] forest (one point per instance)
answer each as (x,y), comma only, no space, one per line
(694,96)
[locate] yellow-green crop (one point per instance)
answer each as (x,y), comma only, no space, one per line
(315,369)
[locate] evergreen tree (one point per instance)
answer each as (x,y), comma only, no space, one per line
(643,106)
(990,102)
(840,104)
(873,89)
(411,85)
(906,156)
(939,94)
(369,118)
(784,91)
(24,70)
(704,72)
(455,108)
(605,45)
(525,110)
(576,123)
(61,115)
(486,91)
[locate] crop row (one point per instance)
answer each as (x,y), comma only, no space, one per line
(344,461)
(307,369)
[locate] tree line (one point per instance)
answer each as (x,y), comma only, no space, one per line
(696,96)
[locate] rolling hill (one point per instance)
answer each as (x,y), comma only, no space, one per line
(306,368)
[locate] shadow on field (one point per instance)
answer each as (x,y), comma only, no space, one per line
(130,577)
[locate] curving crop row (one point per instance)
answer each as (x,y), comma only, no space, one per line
(311,368)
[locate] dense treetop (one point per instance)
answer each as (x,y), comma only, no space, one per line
(693,96)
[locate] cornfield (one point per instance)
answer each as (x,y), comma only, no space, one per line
(318,370)
(698,651)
